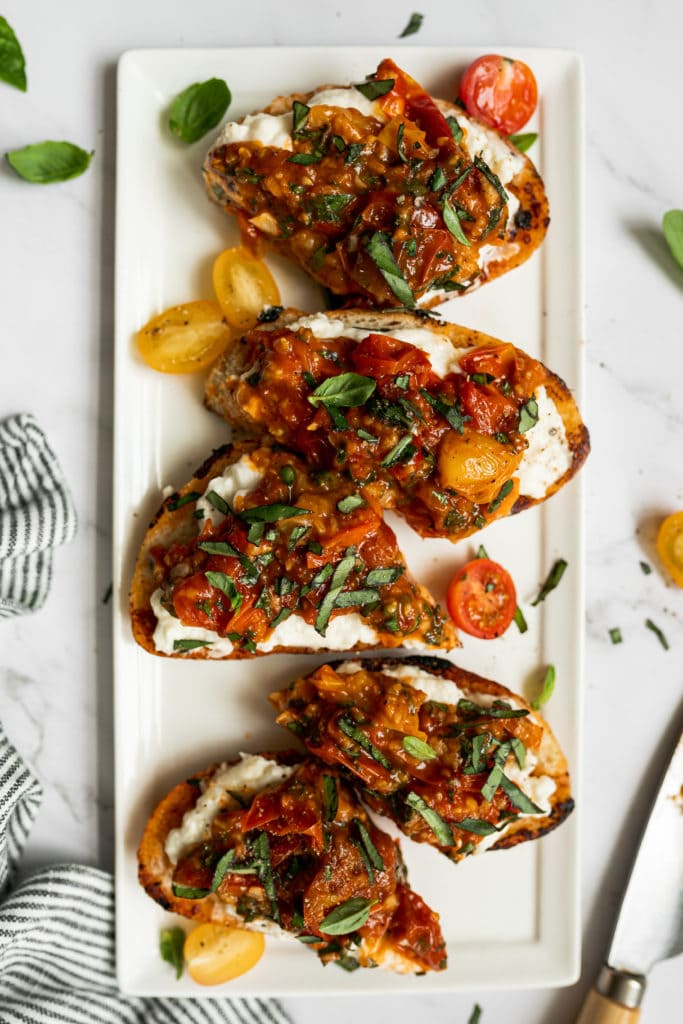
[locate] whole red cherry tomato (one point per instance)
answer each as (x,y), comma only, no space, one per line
(481,598)
(499,91)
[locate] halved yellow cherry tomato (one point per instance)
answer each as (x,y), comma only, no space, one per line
(670,546)
(243,286)
(215,954)
(476,465)
(184,338)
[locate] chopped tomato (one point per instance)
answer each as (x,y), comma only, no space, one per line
(408,96)
(487,407)
(381,356)
(499,91)
(481,599)
(670,546)
(495,360)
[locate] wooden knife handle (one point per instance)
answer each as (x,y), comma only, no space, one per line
(615,999)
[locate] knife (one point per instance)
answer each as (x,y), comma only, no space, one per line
(650,923)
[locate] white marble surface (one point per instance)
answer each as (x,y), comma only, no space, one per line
(56,248)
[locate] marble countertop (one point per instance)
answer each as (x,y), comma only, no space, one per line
(56,255)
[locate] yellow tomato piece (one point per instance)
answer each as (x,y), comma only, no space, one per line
(243,286)
(184,338)
(670,546)
(476,465)
(215,954)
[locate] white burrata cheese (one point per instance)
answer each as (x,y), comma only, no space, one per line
(347,96)
(548,456)
(343,631)
(237,480)
(442,354)
(249,776)
(170,629)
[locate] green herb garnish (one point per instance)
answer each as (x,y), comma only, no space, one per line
(645,568)
(615,635)
(12,61)
(220,504)
(500,497)
(402,451)
(198,109)
(346,390)
(438,826)
(456,131)
(381,577)
(371,850)
(364,435)
(337,582)
(272,513)
(475,1016)
(477,826)
(658,633)
(354,151)
(356,598)
(451,412)
(306,158)
(452,222)
(413,26)
(519,620)
(418,749)
(350,729)
(187,892)
(328,208)
(524,141)
(373,88)
(437,180)
(350,503)
(300,114)
(492,178)
(330,797)
(186,499)
(672,225)
(171,942)
(547,687)
(190,645)
(47,162)
(347,917)
(528,415)
(226,585)
(554,577)
(379,251)
(517,798)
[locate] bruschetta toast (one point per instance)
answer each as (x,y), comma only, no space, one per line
(260,553)
(382,194)
(274,843)
(449,426)
(457,761)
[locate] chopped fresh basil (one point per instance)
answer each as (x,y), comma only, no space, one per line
(645,568)
(45,163)
(492,178)
(379,251)
(475,1016)
(337,582)
(373,88)
(456,130)
(272,513)
(477,826)
(198,109)
(288,475)
(501,438)
(346,390)
(356,598)
(350,503)
(295,536)
(364,435)
(400,145)
(190,645)
(350,729)
(450,412)
(524,141)
(501,496)
(402,381)
(300,114)
(554,577)
(371,850)
(479,744)
(672,225)
(269,313)
(438,826)
(658,633)
(220,504)
(519,750)
(255,534)
(411,247)
(452,222)
(246,174)
(517,798)
(437,180)
(348,917)
(354,151)
(171,942)
(280,617)
(328,208)
(528,415)
(338,143)
(330,797)
(227,586)
(519,620)
(306,158)
(481,552)
(381,577)
(418,749)
(615,635)
(402,451)
(187,892)
(12,61)
(218,547)
(339,420)
(321,576)
(413,26)
(186,499)
(547,687)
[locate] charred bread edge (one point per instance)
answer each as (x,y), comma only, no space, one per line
(551,760)
(168,525)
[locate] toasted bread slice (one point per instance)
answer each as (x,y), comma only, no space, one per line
(260,554)
(360,191)
(455,760)
(278,844)
(460,428)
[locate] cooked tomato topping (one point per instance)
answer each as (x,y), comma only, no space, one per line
(481,598)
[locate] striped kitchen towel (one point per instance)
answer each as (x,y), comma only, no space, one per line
(36,514)
(57,937)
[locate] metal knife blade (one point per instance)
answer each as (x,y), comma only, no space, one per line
(650,923)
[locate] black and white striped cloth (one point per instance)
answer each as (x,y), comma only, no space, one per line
(57,937)
(36,514)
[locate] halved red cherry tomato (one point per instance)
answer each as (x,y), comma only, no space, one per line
(481,599)
(500,91)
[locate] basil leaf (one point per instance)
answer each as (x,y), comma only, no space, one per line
(400,144)
(373,88)
(452,222)
(346,391)
(269,313)
(672,225)
(477,826)
(456,130)
(488,790)
(220,504)
(12,62)
(190,645)
(517,798)
(437,180)
(373,853)
(479,744)
(171,942)
(547,687)
(255,534)
(306,158)
(475,1016)
(402,381)
(348,917)
(492,178)
(501,496)
(323,575)
(450,412)
(227,586)
(337,582)
(330,797)
(338,143)
(523,142)
(658,633)
(418,749)
(47,162)
(645,568)
(381,577)
(615,635)
(185,500)
(329,208)
(554,577)
(401,452)
(413,25)
(280,617)
(350,503)
(354,151)
(528,415)
(295,536)
(365,436)
(356,598)
(379,251)
(218,547)
(187,892)
(350,729)
(198,109)
(272,513)
(261,850)
(438,826)
(519,750)
(300,114)
(520,621)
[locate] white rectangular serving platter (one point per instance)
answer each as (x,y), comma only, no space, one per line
(510,919)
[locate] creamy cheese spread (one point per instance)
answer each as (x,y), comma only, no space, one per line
(548,456)
(236,481)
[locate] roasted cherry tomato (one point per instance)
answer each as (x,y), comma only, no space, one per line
(670,546)
(481,599)
(184,338)
(215,954)
(243,286)
(500,92)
